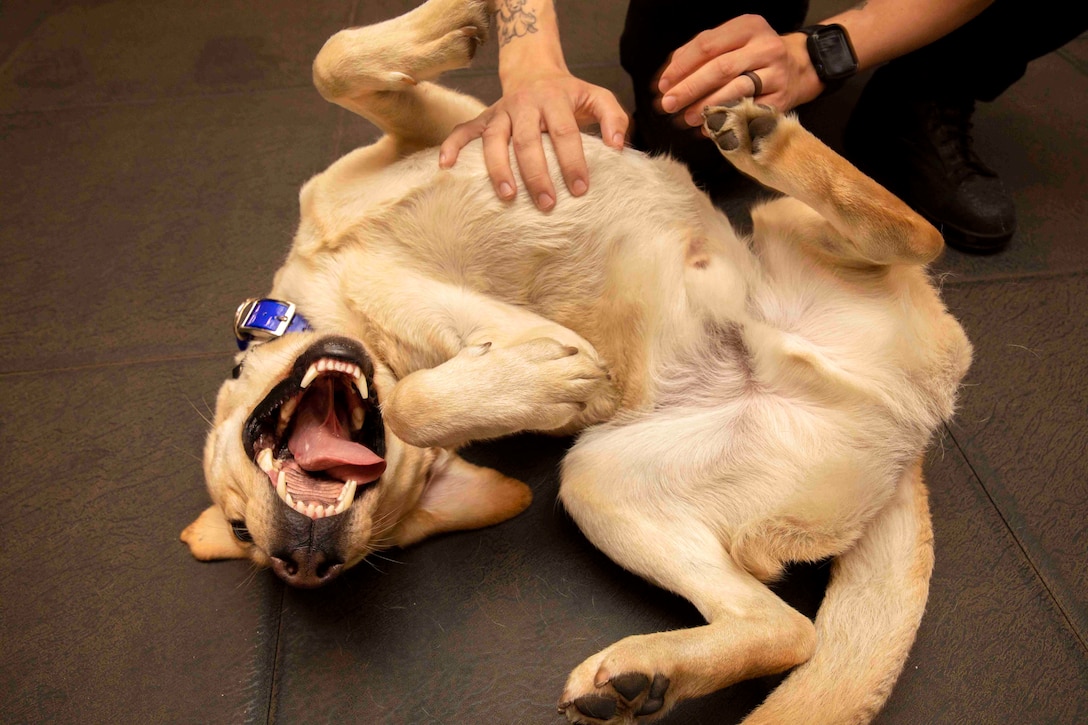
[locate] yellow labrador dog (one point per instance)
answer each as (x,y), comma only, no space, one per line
(744,403)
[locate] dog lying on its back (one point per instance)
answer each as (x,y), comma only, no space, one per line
(745,403)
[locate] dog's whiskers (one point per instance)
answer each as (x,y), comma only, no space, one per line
(203,417)
(192,455)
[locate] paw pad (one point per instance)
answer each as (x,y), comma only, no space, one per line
(635,695)
(630,685)
(728,141)
(596,706)
(715,121)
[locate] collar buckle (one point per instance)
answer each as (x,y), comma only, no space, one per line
(263,319)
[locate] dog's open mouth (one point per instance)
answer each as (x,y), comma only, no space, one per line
(318,435)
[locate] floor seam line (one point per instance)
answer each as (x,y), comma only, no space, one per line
(1070,58)
(271,709)
(114,364)
(1019,543)
(152,101)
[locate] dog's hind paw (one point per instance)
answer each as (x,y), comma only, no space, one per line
(625,698)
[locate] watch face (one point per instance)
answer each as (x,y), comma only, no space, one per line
(835,54)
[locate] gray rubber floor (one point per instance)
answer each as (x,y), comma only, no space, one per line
(150,159)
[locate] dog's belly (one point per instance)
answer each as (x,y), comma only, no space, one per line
(776,479)
(633,267)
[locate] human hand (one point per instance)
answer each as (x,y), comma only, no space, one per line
(554,102)
(708,70)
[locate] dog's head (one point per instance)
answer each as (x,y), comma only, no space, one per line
(304,476)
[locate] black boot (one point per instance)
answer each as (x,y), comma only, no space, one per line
(921,151)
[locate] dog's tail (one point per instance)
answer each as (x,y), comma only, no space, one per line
(867,622)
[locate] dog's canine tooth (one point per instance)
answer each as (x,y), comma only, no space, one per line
(357,417)
(347,496)
(310,376)
(281,487)
(288,499)
(264,460)
(360,383)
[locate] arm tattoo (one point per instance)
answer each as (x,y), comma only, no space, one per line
(515,21)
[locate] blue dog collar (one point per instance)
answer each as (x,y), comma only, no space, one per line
(261,320)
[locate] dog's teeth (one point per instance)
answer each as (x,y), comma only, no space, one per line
(360,383)
(281,487)
(310,376)
(264,460)
(347,496)
(288,500)
(322,365)
(330,510)
(310,510)
(357,417)
(288,409)
(318,511)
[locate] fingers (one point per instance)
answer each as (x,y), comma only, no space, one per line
(521,118)
(739,87)
(567,141)
(460,137)
(696,53)
(707,70)
(529,152)
(715,74)
(614,122)
(496,142)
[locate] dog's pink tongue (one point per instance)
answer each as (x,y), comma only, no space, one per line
(320,442)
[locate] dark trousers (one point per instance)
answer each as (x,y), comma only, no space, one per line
(979,60)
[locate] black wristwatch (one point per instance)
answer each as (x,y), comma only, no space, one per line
(832,55)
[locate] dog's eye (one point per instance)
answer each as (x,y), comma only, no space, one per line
(236,371)
(240,531)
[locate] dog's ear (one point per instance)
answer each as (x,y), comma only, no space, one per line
(210,538)
(459,496)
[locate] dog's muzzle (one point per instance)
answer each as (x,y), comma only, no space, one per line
(318,434)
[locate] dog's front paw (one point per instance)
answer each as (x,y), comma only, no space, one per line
(744,131)
(636,693)
(561,380)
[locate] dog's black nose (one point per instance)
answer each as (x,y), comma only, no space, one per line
(306,568)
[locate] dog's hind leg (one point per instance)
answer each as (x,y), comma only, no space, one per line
(628,506)
(855,220)
(382,72)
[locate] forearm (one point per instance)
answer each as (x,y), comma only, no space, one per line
(881,30)
(884,29)
(528,32)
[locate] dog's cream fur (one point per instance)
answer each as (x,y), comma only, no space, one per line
(745,402)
